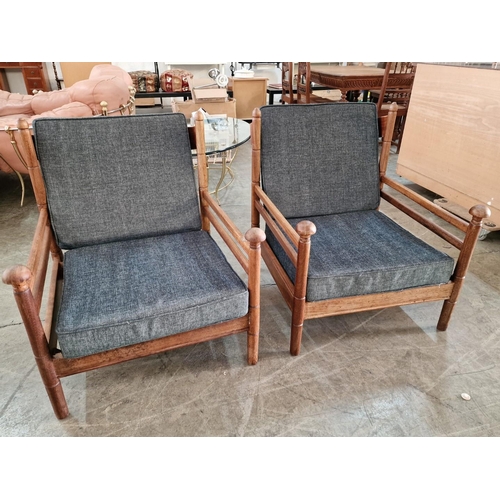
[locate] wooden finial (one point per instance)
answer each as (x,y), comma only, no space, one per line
(18,276)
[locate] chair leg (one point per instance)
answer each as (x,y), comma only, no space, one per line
(478,212)
(58,400)
(298,315)
(255,237)
(253,341)
(305,229)
(253,331)
(19,278)
(44,361)
(445,315)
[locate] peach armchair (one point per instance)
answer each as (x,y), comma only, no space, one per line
(107,91)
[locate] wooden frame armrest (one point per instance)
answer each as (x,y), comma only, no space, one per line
(32,277)
(300,247)
(277,223)
(246,248)
(478,212)
(241,246)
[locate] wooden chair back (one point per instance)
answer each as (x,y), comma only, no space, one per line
(304,83)
(397,85)
(304,92)
(287,76)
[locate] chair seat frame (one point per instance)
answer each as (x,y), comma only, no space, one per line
(28,284)
(296,242)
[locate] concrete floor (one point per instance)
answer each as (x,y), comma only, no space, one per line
(383,373)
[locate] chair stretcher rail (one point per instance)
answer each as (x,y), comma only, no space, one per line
(274,211)
(450,238)
(278,233)
(226,229)
(435,209)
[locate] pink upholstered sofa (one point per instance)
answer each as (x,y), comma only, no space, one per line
(106,82)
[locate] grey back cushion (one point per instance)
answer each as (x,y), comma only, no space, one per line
(320,159)
(117,178)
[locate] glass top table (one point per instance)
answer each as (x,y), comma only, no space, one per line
(222,136)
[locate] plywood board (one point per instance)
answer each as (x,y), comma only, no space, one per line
(451,143)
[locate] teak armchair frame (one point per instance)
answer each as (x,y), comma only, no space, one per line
(28,284)
(296,242)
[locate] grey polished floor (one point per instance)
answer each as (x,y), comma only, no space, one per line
(384,373)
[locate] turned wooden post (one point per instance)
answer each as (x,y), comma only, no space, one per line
(28,152)
(305,229)
(255,131)
(19,277)
(255,237)
(478,212)
(199,130)
(387,130)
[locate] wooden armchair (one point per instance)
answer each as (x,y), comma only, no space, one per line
(317,182)
(396,87)
(140,273)
(288,95)
(305,94)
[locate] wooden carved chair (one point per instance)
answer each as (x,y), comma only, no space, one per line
(134,269)
(317,184)
(288,95)
(396,87)
(305,94)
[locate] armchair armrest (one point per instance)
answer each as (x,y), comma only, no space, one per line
(239,245)
(281,228)
(478,212)
(28,281)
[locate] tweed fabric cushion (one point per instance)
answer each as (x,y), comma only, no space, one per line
(365,252)
(117,177)
(123,293)
(320,159)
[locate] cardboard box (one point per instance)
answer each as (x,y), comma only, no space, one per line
(212,108)
(209,95)
(250,93)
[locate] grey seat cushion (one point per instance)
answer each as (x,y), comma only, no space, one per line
(122,293)
(117,177)
(320,159)
(365,252)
